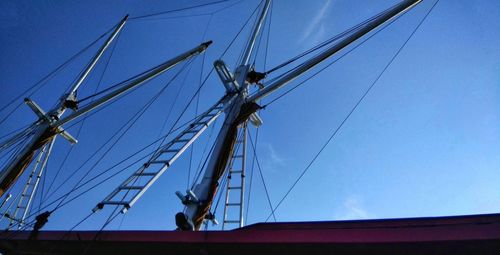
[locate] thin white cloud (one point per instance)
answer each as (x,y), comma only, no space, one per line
(274,156)
(352,209)
(271,159)
(315,26)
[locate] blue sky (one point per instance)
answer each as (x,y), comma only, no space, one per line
(423,143)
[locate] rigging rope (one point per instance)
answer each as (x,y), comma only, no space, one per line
(190,15)
(329,64)
(107,170)
(327,42)
(67,194)
(43,81)
(178,10)
(360,100)
(248,41)
(251,174)
(198,101)
(84,117)
(268,36)
(136,116)
(262,178)
(133,121)
(255,53)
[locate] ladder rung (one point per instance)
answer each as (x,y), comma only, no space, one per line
(21,207)
(200,123)
(192,131)
(130,187)
(182,140)
(238,156)
(159,162)
(231,221)
(170,151)
(115,202)
(239,187)
(233,204)
(235,172)
(144,174)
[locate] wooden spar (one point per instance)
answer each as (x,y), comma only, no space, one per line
(50,123)
(205,191)
(45,131)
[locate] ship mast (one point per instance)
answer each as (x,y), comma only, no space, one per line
(239,107)
(242,107)
(50,123)
(46,130)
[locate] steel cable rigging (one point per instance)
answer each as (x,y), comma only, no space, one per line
(43,81)
(353,109)
(77,134)
(203,83)
(129,123)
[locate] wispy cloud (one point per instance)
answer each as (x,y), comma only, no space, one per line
(274,156)
(271,159)
(352,209)
(316,26)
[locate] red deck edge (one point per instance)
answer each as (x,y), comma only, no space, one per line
(454,229)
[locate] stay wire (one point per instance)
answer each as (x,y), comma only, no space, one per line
(190,15)
(251,174)
(85,116)
(183,82)
(208,75)
(137,113)
(326,42)
(27,133)
(106,171)
(66,234)
(178,10)
(268,35)
(211,71)
(43,81)
(198,101)
(170,110)
(131,122)
(355,106)
(122,83)
(15,131)
(263,181)
(111,217)
(331,63)
(175,17)
(255,53)
(247,43)
(239,32)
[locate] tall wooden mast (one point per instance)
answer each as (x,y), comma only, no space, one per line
(50,123)
(242,106)
(239,107)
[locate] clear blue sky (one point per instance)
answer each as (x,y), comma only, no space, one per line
(425,142)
